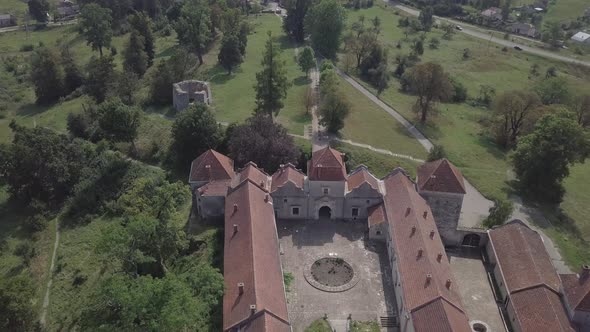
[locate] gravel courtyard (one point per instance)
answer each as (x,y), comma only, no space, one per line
(304,242)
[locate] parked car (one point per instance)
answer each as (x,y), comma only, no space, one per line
(458,27)
(518,48)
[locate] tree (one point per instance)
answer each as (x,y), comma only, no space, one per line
(333,111)
(193,27)
(542,159)
(448,31)
(271,83)
(39,9)
(194,131)
(325,23)
(100,77)
(418,47)
(95,25)
(135,59)
(553,33)
(434,42)
(306,60)
(117,121)
(362,45)
(506,9)
(581,106)
(486,94)
(436,152)
(230,55)
(499,213)
(554,90)
(431,84)
(16,298)
(167,73)
(293,24)
(143,24)
(41,165)
(47,75)
(73,78)
(263,142)
(425,18)
(512,111)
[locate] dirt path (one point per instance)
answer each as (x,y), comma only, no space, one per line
(43,317)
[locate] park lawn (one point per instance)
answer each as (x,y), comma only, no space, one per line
(369,124)
(460,129)
(565,10)
(379,164)
(234,95)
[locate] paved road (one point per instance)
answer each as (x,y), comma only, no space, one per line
(32,26)
(472,32)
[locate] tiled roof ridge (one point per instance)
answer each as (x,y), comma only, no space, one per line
(252,164)
(538,285)
(396,171)
(256,315)
(332,155)
(517,316)
(532,258)
(436,166)
(440,297)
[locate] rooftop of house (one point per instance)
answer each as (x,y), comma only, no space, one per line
(211,166)
(254,292)
(360,176)
(581,36)
(428,285)
(577,289)
(287,173)
(254,174)
(327,164)
(440,176)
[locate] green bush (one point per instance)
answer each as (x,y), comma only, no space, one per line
(499,213)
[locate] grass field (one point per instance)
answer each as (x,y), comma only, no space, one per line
(459,127)
(566,10)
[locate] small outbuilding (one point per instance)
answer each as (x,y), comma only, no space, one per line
(581,37)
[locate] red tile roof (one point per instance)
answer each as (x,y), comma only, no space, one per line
(327,165)
(253,173)
(522,257)
(577,290)
(377,215)
(540,309)
(214,188)
(440,176)
(251,257)
(211,165)
(287,173)
(360,176)
(423,266)
(530,278)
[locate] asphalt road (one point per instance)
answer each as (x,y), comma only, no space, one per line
(503,42)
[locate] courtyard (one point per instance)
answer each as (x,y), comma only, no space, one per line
(321,256)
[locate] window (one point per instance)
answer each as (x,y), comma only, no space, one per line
(295,210)
(368,201)
(378,233)
(355,212)
(284,200)
(326,191)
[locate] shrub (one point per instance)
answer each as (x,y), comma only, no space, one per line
(437,152)
(499,213)
(27,48)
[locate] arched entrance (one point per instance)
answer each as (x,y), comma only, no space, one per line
(325,212)
(471,240)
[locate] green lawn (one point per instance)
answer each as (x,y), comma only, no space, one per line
(379,164)
(234,95)
(320,325)
(459,127)
(565,10)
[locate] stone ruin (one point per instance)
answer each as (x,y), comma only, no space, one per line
(188,92)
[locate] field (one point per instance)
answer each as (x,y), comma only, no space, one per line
(459,127)
(565,10)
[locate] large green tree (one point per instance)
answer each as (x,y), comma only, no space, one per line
(325,23)
(167,73)
(513,110)
(194,131)
(100,77)
(135,59)
(542,159)
(333,112)
(293,24)
(306,60)
(95,24)
(554,90)
(117,121)
(16,297)
(230,54)
(47,75)
(38,9)
(431,84)
(271,82)
(143,24)
(193,28)
(73,76)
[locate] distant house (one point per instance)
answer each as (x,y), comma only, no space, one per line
(493,13)
(66,10)
(7,20)
(524,29)
(581,37)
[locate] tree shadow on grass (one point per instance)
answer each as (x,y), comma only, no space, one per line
(491,147)
(167,52)
(219,75)
(301,80)
(32,109)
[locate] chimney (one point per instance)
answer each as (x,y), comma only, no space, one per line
(449,283)
(432,234)
(585,273)
(252,309)
(266,198)
(413,230)
(420,251)
(439,257)
(428,278)
(240,288)
(408,210)
(235,228)
(235,208)
(208,168)
(425,214)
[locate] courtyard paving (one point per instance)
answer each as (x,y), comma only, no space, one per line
(302,242)
(475,289)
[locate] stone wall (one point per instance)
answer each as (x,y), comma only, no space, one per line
(187,92)
(446,210)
